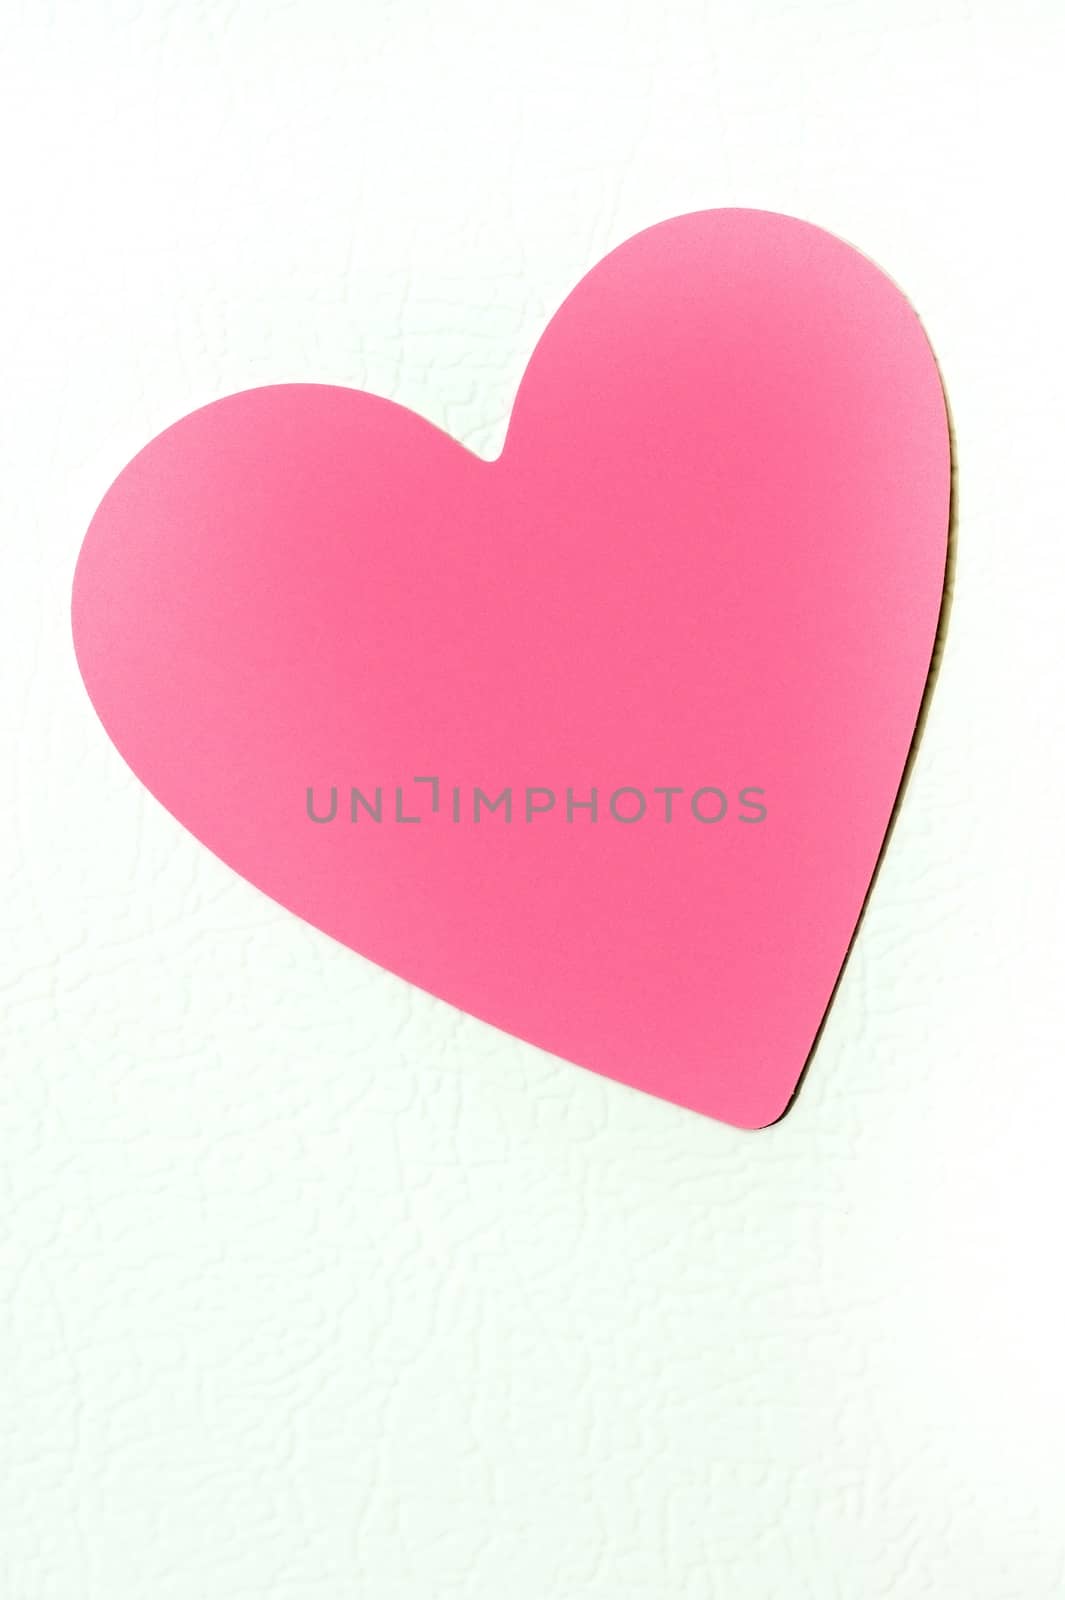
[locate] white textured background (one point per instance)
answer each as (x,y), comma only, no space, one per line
(309,1287)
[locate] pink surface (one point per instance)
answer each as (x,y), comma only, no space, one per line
(711,553)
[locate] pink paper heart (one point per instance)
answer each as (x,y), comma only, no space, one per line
(710,558)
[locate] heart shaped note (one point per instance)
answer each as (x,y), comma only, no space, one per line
(598,741)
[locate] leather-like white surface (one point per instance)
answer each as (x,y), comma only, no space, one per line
(312,1288)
